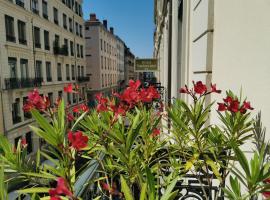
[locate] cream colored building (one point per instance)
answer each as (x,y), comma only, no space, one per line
(41,46)
(221,41)
(104,57)
(130,74)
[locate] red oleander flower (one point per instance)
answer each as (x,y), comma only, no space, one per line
(77,140)
(68,88)
(134,85)
(214,89)
(23,143)
(228,99)
(76,109)
(222,107)
(155,132)
(102,103)
(200,88)
(246,105)
(70,117)
(183,90)
(105,186)
(36,101)
(61,189)
(84,108)
(266,194)
(234,106)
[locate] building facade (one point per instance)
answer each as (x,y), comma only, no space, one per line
(41,46)
(130,74)
(104,57)
(224,42)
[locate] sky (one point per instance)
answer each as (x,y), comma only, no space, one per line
(133,21)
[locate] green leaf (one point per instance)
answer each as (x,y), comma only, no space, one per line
(168,193)
(34,190)
(143,192)
(242,160)
(126,189)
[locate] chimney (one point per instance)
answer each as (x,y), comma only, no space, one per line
(111,30)
(105,23)
(93,17)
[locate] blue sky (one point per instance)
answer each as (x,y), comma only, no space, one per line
(133,21)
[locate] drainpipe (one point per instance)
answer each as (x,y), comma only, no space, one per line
(174,53)
(170,54)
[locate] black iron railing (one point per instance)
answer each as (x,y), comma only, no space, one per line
(20,3)
(83,79)
(17,83)
(57,50)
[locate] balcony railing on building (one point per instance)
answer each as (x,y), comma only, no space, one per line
(20,3)
(36,11)
(57,50)
(17,83)
(83,79)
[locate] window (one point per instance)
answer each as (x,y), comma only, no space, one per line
(37,37)
(48,71)
(82,54)
(78,50)
(82,71)
(35,7)
(101,44)
(24,68)
(60,94)
(77,28)
(105,62)
(69,98)
(47,40)
(73,72)
(102,81)
(74,97)
(105,46)
(27,115)
(69,3)
(38,70)
(12,62)
(101,62)
(67,72)
(22,32)
(76,7)
(80,10)
(16,116)
(70,25)
(45,9)
(79,71)
(50,96)
(71,48)
(56,40)
(65,21)
(28,138)
(10,34)
(59,72)
(55,15)
(80,30)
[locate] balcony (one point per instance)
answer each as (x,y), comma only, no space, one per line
(49,79)
(11,38)
(38,45)
(83,79)
(23,41)
(17,83)
(56,21)
(16,119)
(45,15)
(47,47)
(36,11)
(59,78)
(60,50)
(20,3)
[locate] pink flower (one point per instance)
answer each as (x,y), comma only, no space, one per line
(77,140)
(61,189)
(222,107)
